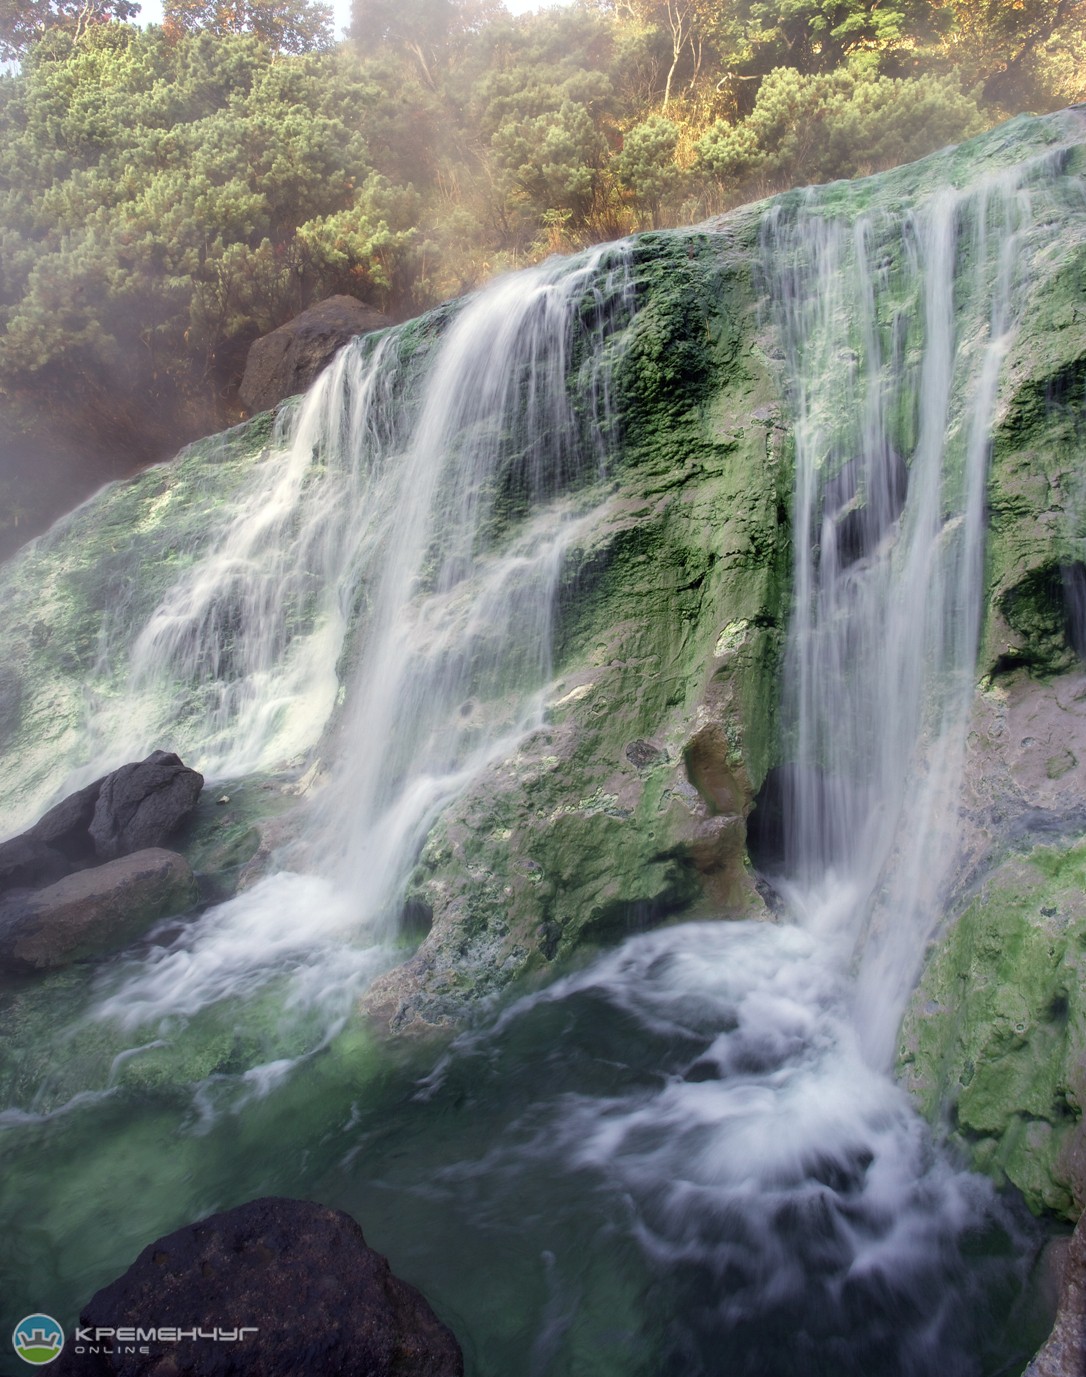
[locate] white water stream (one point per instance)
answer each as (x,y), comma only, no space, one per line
(408,566)
(895,331)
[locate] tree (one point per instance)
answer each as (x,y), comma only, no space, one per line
(646,165)
(1026,54)
(284,26)
(24,22)
(817,128)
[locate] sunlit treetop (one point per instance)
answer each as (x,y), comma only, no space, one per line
(23,22)
(285,26)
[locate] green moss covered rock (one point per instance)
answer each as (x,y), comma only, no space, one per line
(995,1040)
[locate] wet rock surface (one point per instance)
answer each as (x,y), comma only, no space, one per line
(96,910)
(301,1282)
(1064,1352)
(139,805)
(994,1040)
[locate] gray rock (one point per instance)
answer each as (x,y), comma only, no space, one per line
(94,911)
(65,827)
(139,805)
(26,863)
(1064,1352)
(286,361)
(314,1299)
(135,807)
(57,844)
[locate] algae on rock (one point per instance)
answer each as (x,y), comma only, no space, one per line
(996,1037)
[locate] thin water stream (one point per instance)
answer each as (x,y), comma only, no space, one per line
(688,1157)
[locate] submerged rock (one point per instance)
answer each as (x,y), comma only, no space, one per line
(297,1279)
(94,911)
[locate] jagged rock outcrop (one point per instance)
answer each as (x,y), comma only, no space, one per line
(284,362)
(298,1279)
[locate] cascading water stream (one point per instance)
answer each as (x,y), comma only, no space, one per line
(894,328)
(776,1175)
(418,560)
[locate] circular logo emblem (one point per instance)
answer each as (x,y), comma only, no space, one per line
(38,1339)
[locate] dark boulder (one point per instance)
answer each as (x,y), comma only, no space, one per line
(58,843)
(140,805)
(315,1299)
(26,863)
(93,911)
(135,807)
(286,361)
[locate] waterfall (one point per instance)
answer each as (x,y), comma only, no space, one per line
(685,1156)
(895,327)
(400,552)
(775,1173)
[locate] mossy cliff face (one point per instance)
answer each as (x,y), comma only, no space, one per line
(629,805)
(994,1043)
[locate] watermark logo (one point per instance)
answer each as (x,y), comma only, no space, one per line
(38,1339)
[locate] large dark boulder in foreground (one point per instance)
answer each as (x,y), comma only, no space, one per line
(136,807)
(286,361)
(1064,1353)
(93,911)
(322,1303)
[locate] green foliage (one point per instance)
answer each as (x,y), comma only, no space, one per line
(820,35)
(168,195)
(288,26)
(552,160)
(155,193)
(817,128)
(646,165)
